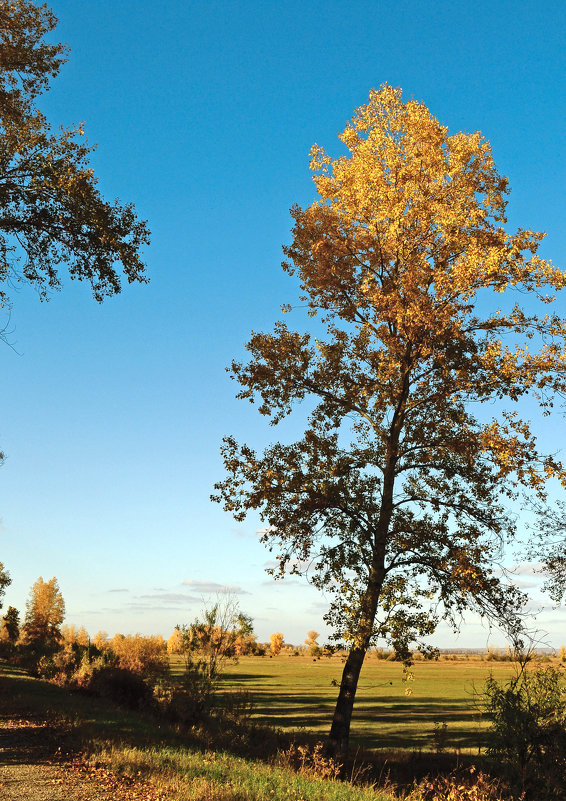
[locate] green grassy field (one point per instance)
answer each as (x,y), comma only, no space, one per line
(297,693)
(293,694)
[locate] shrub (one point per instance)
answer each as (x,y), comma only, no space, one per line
(120,685)
(186,701)
(177,703)
(145,656)
(528,729)
(311,761)
(460,785)
(237,707)
(45,667)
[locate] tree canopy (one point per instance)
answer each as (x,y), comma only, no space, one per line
(10,626)
(397,496)
(45,611)
(51,212)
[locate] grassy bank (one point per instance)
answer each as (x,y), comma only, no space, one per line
(184,768)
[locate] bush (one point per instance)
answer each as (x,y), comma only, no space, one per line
(528,734)
(187,701)
(311,761)
(118,684)
(461,785)
(45,667)
(237,707)
(142,655)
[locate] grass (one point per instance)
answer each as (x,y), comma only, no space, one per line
(196,776)
(298,694)
(133,745)
(295,694)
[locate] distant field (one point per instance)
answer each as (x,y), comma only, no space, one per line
(296,693)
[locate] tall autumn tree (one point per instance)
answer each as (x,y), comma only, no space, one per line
(397,494)
(45,611)
(276,641)
(51,213)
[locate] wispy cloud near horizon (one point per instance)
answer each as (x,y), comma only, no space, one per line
(169,597)
(213,587)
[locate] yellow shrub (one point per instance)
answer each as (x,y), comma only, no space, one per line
(461,785)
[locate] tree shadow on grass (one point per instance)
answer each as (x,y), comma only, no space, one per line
(380,721)
(229,679)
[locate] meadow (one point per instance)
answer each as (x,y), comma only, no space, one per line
(400,737)
(297,694)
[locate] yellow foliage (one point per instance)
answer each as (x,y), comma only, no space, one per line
(140,654)
(461,785)
(175,643)
(45,611)
(100,640)
(399,494)
(276,641)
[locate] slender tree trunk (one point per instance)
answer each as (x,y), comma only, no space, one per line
(340,729)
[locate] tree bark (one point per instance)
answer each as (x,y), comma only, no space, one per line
(340,729)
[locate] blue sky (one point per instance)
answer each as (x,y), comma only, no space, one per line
(204,113)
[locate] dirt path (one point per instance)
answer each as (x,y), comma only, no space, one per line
(32,768)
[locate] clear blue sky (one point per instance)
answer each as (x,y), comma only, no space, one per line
(204,113)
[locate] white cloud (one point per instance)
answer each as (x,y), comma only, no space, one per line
(283,583)
(169,597)
(527,569)
(214,587)
(524,585)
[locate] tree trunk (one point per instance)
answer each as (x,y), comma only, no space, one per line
(340,730)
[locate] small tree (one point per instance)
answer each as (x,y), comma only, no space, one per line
(398,494)
(209,643)
(45,610)
(10,627)
(245,642)
(314,648)
(276,643)
(175,642)
(9,631)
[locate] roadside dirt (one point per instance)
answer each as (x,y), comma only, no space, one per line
(34,768)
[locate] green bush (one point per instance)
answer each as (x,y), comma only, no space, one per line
(120,685)
(528,729)
(187,701)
